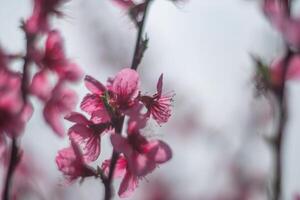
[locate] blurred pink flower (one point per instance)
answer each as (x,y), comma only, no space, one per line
(142,155)
(38,21)
(126,4)
(53,59)
(13,113)
(293,72)
(129,182)
(276,12)
(70,163)
(61,102)
(158,105)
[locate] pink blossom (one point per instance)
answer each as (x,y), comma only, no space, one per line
(13,113)
(293,72)
(129,182)
(93,103)
(38,21)
(125,87)
(118,96)
(55,59)
(126,4)
(62,101)
(40,85)
(71,164)
(159,105)
(277,13)
(142,155)
(86,135)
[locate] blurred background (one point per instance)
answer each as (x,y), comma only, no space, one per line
(216,131)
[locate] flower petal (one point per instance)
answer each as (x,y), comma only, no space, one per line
(121,145)
(87,140)
(77,118)
(120,168)
(91,103)
(126,85)
(159,85)
(128,185)
(163,152)
(40,85)
(100,116)
(93,85)
(52,116)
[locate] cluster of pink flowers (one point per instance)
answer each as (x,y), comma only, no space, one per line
(106,106)
(45,73)
(51,62)
(13,115)
(57,98)
(277,12)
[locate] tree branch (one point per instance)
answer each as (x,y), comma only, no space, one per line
(137,56)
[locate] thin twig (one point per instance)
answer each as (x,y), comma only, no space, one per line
(135,58)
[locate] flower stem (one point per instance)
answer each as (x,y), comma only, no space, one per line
(283,109)
(119,123)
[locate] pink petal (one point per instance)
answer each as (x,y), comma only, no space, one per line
(137,120)
(126,85)
(77,118)
(91,103)
(71,72)
(276,13)
(40,85)
(100,116)
(54,46)
(52,116)
(128,185)
(291,32)
(159,85)
(141,164)
(120,168)
(163,152)
(87,140)
(121,145)
(126,4)
(93,85)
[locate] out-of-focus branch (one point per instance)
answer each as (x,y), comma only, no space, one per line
(15,155)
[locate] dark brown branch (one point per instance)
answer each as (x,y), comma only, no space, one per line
(13,162)
(114,158)
(137,56)
(14,153)
(139,47)
(283,109)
